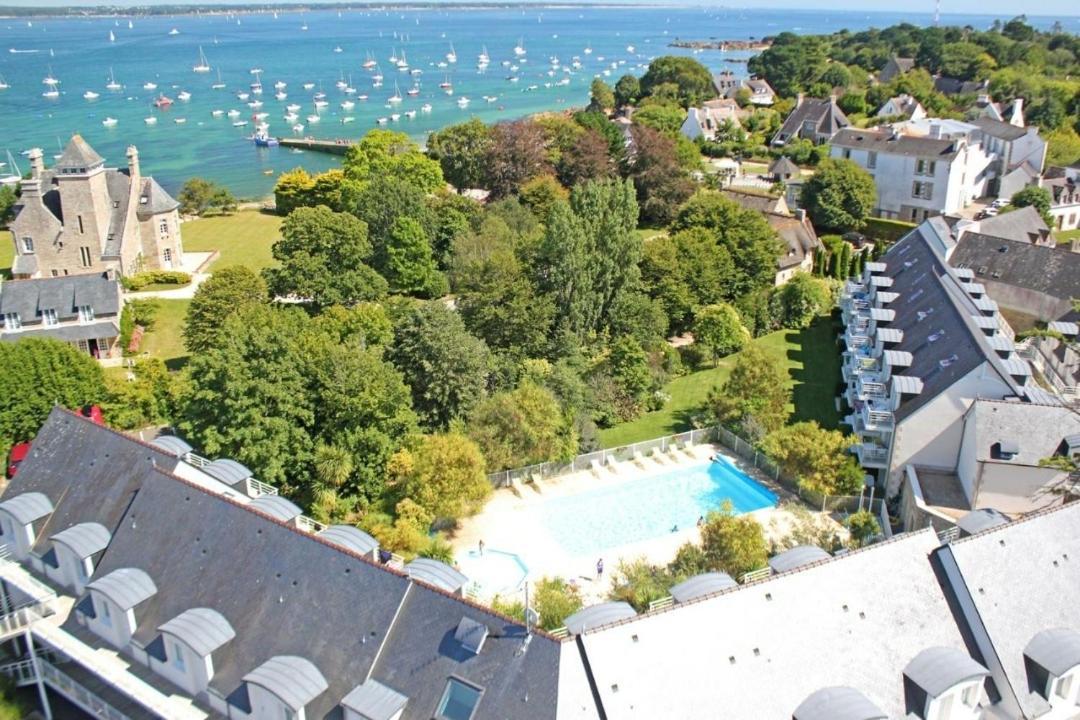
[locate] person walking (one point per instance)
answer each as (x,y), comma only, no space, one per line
(480,545)
(599,568)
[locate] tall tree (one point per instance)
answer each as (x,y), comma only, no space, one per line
(37,373)
(662,183)
(720,329)
(800,300)
(839,196)
(227,291)
(522,427)
(1036,197)
(819,459)
(444,474)
(686,270)
(445,366)
(410,263)
(384,153)
(517,153)
(248,397)
(627,90)
(791,64)
(603,97)
(323,256)
(462,151)
(694,81)
(589,159)
(734,544)
(754,398)
(752,244)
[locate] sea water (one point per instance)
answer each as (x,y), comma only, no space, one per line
(79,53)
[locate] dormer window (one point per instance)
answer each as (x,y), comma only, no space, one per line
(86,314)
(11,321)
(943,683)
(48,317)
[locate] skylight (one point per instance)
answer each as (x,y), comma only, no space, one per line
(459,701)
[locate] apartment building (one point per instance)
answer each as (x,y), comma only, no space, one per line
(83,310)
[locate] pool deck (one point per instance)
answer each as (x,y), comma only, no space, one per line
(512,521)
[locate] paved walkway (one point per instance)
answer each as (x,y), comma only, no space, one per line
(193,261)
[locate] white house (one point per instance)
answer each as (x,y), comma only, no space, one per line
(904,106)
(710,117)
(1064,186)
(1019,155)
(917,176)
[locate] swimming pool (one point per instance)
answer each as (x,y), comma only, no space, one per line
(495,572)
(592,521)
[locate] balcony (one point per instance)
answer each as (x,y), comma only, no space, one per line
(860,363)
(872,456)
(872,419)
(866,390)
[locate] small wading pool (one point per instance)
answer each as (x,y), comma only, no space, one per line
(650,507)
(495,572)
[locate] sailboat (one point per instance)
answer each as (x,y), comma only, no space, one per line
(90,95)
(202,66)
(218,85)
(519,49)
(451,57)
(174,31)
(109,122)
(130,25)
(112,38)
(483,60)
(3,83)
(50,80)
(11,178)
(314,118)
(396,97)
(112,84)
(369,63)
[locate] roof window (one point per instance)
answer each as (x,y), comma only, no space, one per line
(459,700)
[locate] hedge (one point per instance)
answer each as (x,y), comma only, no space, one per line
(888,230)
(155,277)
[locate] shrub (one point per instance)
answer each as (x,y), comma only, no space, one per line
(889,231)
(138,281)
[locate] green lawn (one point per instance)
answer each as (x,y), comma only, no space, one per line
(244,238)
(646,234)
(7,253)
(1062,236)
(812,361)
(165,340)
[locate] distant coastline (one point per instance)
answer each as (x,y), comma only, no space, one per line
(751,44)
(81,11)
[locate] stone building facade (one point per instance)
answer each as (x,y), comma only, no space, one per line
(80,217)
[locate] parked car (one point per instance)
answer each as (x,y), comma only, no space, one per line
(987,213)
(999,203)
(20,451)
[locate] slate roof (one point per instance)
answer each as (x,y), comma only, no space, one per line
(1056,650)
(798,237)
(1053,271)
(109,468)
(982,519)
(78,155)
(759,202)
(172,444)
(936,315)
(437,573)
(837,703)
(1038,430)
(954,86)
(67,333)
(1001,130)
(826,117)
(1011,569)
(374,701)
(783,165)
(1022,225)
(759,650)
(153,199)
(63,294)
(888,142)
(350,537)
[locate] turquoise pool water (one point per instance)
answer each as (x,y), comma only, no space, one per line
(590,522)
(495,572)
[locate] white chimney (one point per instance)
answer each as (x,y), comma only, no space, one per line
(1017,117)
(37,163)
(935,130)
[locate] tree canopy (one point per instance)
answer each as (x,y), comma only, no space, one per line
(692,79)
(754,398)
(227,291)
(839,196)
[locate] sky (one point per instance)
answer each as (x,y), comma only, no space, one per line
(1007,8)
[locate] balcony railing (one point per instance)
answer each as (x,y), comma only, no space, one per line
(872,455)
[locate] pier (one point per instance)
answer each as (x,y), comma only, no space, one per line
(334,147)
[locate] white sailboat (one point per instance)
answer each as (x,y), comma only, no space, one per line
(396,97)
(109,122)
(112,84)
(112,38)
(219,85)
(3,83)
(451,57)
(90,95)
(519,49)
(483,58)
(149,86)
(183,96)
(202,66)
(130,25)
(314,118)
(174,31)
(369,63)
(50,79)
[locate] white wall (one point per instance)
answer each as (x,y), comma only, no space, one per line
(18,538)
(931,436)
(111,623)
(265,704)
(194,676)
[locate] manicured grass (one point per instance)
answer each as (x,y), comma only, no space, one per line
(166,340)
(7,253)
(812,361)
(1062,237)
(647,233)
(243,238)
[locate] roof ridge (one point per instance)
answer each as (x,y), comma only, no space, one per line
(895,539)
(1034,515)
(348,551)
(114,431)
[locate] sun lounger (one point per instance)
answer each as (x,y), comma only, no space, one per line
(638,459)
(595,466)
